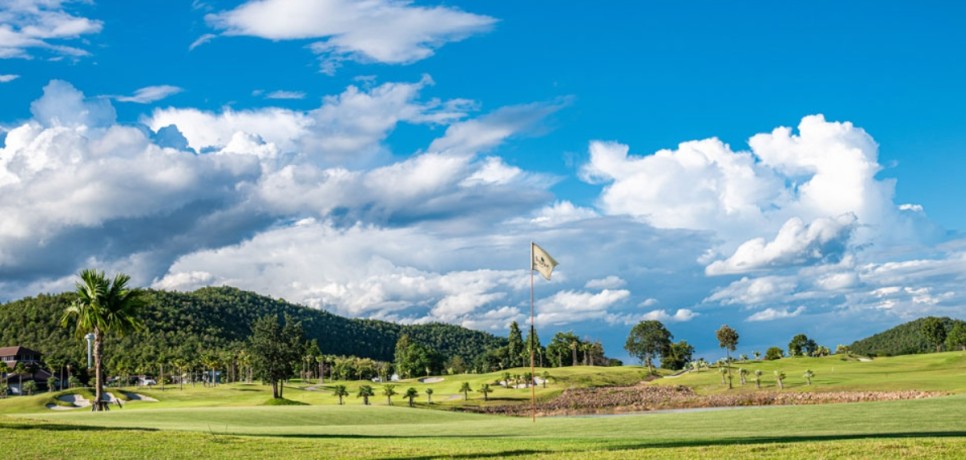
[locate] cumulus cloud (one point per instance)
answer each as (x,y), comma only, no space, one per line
(150,94)
(824,239)
(33,25)
(610,282)
(385,31)
(771,314)
(567,307)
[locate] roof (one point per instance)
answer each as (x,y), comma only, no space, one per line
(15,350)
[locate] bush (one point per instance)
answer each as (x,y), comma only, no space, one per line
(774,353)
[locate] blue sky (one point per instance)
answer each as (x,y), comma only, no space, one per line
(782,168)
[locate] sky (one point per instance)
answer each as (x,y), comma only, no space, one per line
(782,168)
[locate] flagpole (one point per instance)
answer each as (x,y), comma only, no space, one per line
(533,389)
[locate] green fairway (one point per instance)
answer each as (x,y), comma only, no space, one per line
(232,421)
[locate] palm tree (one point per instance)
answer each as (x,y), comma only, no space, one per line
(742,357)
(573,347)
(780,376)
(411,393)
(808,376)
(465,389)
(4,368)
(758,378)
(20,369)
(182,365)
(211,361)
(546,376)
(506,379)
(757,355)
(485,389)
(340,391)
(429,394)
(389,391)
(743,375)
(365,391)
(103,307)
(723,371)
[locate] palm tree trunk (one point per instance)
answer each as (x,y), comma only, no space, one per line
(98,372)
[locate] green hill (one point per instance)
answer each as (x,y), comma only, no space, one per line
(904,339)
(214,319)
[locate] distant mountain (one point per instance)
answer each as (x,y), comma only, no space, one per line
(904,339)
(220,318)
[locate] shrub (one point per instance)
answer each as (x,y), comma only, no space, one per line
(774,353)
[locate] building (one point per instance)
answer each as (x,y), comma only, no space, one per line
(11,356)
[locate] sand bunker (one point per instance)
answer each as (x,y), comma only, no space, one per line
(431,380)
(77,401)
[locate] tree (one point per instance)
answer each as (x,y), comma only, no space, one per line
(757,355)
(934,331)
(340,391)
(727,339)
(485,389)
(365,391)
(275,349)
(465,389)
(210,361)
(4,368)
(515,347)
(429,395)
(743,375)
(389,391)
(29,387)
(957,337)
(758,378)
(808,376)
(801,345)
(723,370)
(559,351)
(103,307)
(533,343)
(678,356)
(411,393)
(647,340)
(774,353)
(20,369)
(574,345)
(780,377)
(546,377)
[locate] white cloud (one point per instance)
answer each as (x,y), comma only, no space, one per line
(285,95)
(150,94)
(610,282)
(796,244)
(771,314)
(386,31)
(201,41)
(681,315)
(30,25)
(6,78)
(752,291)
(566,307)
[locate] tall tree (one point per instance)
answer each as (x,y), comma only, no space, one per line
(102,306)
(515,348)
(801,345)
(647,340)
(727,339)
(275,349)
(679,355)
(934,331)
(533,343)
(957,337)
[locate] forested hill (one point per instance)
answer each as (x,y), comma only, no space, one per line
(904,339)
(216,319)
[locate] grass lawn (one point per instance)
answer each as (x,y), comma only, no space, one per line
(232,421)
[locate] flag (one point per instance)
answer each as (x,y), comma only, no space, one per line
(541,262)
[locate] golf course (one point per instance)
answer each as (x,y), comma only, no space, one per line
(236,421)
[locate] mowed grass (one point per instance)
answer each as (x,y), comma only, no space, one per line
(231,421)
(945,372)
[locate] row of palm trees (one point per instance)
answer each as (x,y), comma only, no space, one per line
(779,376)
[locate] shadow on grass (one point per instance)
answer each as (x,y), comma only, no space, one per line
(65,427)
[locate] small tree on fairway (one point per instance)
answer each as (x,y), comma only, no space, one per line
(275,349)
(389,391)
(727,339)
(647,340)
(365,391)
(465,389)
(485,389)
(411,393)
(780,377)
(429,395)
(758,378)
(934,331)
(757,355)
(743,375)
(808,376)
(29,387)
(340,391)
(546,376)
(723,371)
(506,379)
(774,353)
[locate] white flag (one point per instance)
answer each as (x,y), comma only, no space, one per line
(541,262)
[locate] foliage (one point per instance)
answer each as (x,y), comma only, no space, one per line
(727,338)
(904,339)
(340,391)
(275,349)
(466,389)
(365,391)
(801,345)
(934,331)
(412,393)
(486,390)
(647,340)
(678,356)
(957,337)
(515,347)
(774,353)
(416,360)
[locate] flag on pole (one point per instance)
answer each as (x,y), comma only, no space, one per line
(541,261)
